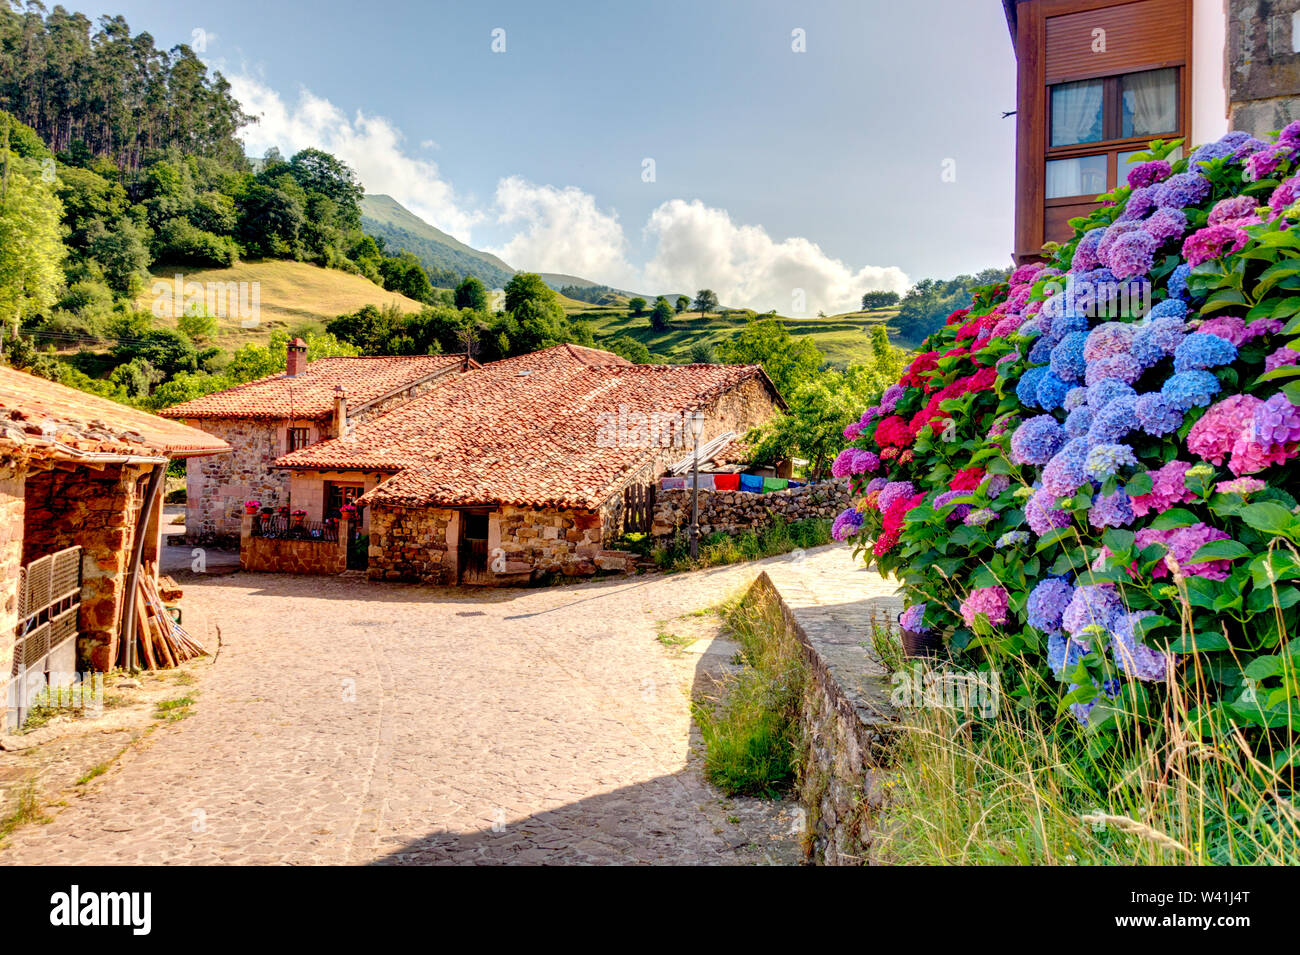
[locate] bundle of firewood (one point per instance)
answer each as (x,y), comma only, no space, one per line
(159,640)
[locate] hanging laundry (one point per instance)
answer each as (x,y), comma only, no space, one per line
(669,483)
(726,482)
(751,482)
(775,484)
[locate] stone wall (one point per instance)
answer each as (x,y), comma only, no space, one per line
(277,556)
(732,512)
(97,510)
(1263,63)
(524,545)
(217,486)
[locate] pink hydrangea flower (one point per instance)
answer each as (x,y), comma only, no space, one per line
(1168,488)
(1227,211)
(1182,543)
(1230,328)
(1229,428)
(990,601)
(1281,358)
(1212,242)
(1242,486)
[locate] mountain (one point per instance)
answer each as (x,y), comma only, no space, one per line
(440,254)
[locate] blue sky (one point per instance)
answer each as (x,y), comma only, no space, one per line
(774,170)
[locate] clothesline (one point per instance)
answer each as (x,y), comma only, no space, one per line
(752,483)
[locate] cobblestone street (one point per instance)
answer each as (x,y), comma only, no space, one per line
(350,722)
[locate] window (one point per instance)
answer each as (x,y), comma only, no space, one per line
(1082,176)
(1077,113)
(299,438)
(337,495)
(1149,103)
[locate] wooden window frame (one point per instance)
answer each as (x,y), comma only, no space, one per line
(290,438)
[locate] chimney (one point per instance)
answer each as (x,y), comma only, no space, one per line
(340,411)
(296,360)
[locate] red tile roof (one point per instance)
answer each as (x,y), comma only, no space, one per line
(524,431)
(44,419)
(311,394)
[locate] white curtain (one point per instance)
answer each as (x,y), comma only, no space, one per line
(1085,176)
(1151,102)
(1076,113)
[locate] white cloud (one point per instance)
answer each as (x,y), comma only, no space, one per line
(700,247)
(369,144)
(563,230)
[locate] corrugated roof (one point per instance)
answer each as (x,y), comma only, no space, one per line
(533,430)
(311,394)
(46,419)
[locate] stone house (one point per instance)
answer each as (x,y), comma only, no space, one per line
(518,469)
(81,507)
(264,419)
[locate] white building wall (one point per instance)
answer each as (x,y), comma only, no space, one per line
(1209,71)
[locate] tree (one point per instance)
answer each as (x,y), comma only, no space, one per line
(705,301)
(929,302)
(637,305)
(31,246)
(788,361)
(702,354)
(628,347)
(536,318)
(317,171)
(879,299)
(662,315)
(683,303)
(472,295)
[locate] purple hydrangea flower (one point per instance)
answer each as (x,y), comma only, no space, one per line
(1066,472)
(1042,513)
(1157,338)
(1114,421)
(1148,173)
(980,516)
(1078,421)
(1119,367)
(1111,510)
(1104,392)
(1091,605)
(1182,190)
(1157,415)
(1281,358)
(1075,398)
(1277,422)
(892,492)
(1012,539)
(1111,338)
(1166,224)
(1041,351)
(847,524)
(913,619)
(1133,656)
(1133,254)
(1037,440)
(1085,253)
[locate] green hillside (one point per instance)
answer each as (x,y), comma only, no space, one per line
(386,218)
(842,338)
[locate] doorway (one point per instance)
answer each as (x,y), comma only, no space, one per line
(473,547)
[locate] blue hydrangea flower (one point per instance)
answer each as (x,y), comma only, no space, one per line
(1157,338)
(1075,398)
(1104,392)
(1105,460)
(1012,539)
(1037,440)
(1120,367)
(1066,473)
(1157,415)
(1078,421)
(1190,389)
(1170,307)
(1203,350)
(1178,283)
(1067,357)
(1063,653)
(1041,351)
(1046,602)
(1221,148)
(1068,324)
(1114,421)
(1080,711)
(1027,388)
(1051,392)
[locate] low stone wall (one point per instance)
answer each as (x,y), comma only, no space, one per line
(273,555)
(845,720)
(734,511)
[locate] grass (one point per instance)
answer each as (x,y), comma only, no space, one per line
(674,640)
(842,338)
(751,732)
(173,710)
(1024,789)
(294,295)
(717,549)
(28,811)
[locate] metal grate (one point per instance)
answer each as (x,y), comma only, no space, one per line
(49,600)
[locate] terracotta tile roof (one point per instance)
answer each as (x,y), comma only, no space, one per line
(533,430)
(43,419)
(311,394)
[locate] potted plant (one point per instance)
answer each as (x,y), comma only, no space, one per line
(299,518)
(250,507)
(348,512)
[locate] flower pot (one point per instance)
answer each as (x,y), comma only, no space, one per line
(922,645)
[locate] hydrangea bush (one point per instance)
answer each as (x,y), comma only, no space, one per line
(1092,467)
